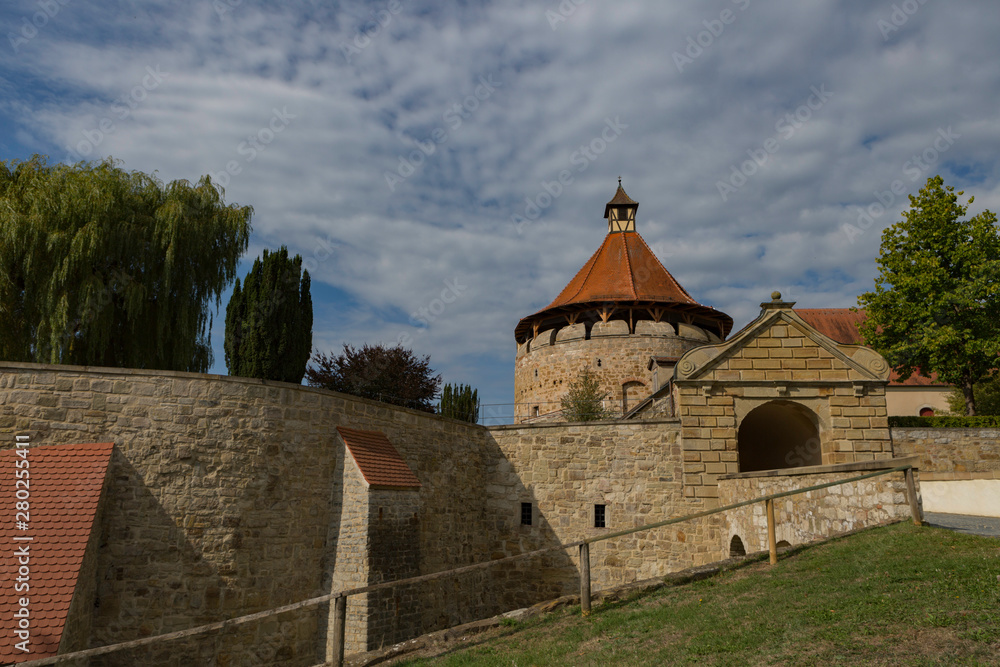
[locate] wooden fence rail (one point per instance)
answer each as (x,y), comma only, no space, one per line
(338,600)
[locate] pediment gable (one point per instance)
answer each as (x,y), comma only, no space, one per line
(781,346)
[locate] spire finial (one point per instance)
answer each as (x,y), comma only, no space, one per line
(619,181)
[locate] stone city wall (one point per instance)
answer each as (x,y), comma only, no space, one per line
(221,502)
(959,467)
(814,514)
(632,468)
(951,453)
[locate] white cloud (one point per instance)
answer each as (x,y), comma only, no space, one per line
(322,177)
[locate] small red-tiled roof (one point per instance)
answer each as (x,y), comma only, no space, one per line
(379,462)
(841,325)
(624,271)
(65,484)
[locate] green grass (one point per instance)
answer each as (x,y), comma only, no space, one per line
(899,595)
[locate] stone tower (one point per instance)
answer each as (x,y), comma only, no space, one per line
(623,316)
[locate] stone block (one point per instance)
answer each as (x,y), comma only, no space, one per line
(543,339)
(650,328)
(573,332)
(691,331)
(609,328)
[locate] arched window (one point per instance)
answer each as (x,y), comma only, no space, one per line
(926,412)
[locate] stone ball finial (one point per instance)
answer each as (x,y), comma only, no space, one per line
(776,296)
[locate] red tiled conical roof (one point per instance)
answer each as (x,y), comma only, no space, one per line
(623,269)
(623,272)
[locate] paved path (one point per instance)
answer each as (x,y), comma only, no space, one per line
(964,523)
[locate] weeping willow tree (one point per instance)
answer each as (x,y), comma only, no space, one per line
(101,266)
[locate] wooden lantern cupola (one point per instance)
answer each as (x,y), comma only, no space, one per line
(620,211)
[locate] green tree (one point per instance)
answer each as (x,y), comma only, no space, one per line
(389,374)
(936,302)
(585,399)
(269,320)
(101,266)
(460,402)
(987,393)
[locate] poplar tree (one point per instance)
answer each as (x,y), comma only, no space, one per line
(936,302)
(102,266)
(269,320)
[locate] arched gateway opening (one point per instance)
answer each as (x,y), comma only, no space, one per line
(779,434)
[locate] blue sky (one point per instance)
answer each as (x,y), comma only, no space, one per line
(411,150)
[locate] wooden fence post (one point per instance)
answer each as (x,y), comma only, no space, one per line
(585,579)
(911,494)
(335,655)
(772,543)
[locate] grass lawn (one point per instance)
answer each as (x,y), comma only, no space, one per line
(899,595)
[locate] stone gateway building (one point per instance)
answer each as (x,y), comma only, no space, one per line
(216,497)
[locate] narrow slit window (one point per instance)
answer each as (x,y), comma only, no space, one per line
(525,514)
(600,516)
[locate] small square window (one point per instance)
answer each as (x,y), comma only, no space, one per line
(599,516)
(525,514)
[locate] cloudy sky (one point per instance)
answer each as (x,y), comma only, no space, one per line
(411,150)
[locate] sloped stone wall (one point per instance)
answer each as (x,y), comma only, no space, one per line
(220,503)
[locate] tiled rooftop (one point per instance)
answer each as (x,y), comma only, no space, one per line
(65,489)
(624,271)
(379,462)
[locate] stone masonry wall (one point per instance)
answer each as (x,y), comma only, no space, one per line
(220,503)
(951,453)
(349,532)
(543,373)
(779,364)
(633,468)
(815,514)
(396,614)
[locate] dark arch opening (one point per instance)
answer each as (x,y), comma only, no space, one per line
(736,548)
(779,434)
(783,544)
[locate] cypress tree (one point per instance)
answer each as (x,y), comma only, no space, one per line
(461,402)
(269,320)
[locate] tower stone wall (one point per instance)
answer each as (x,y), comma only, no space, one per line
(549,363)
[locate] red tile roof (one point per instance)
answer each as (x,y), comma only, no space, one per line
(841,325)
(65,484)
(623,271)
(379,462)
